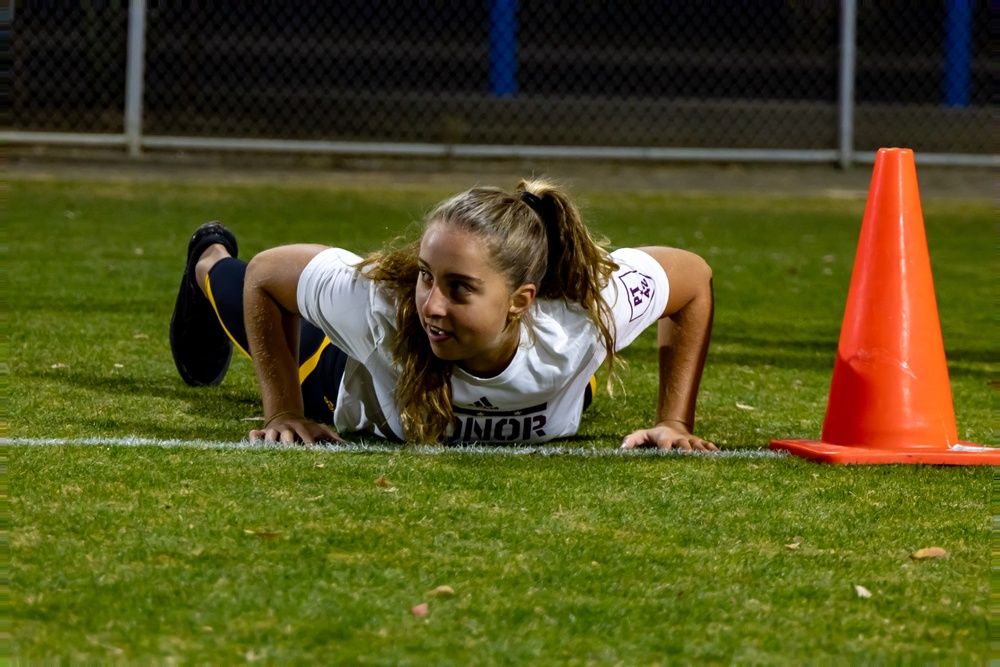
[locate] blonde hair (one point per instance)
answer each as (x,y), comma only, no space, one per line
(533,235)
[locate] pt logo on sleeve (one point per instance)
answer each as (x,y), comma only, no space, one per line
(639,290)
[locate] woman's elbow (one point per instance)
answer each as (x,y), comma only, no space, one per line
(703,270)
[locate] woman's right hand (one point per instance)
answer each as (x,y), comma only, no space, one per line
(293,428)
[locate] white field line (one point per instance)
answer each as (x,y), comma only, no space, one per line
(363,447)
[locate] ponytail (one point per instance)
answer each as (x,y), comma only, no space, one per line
(578,265)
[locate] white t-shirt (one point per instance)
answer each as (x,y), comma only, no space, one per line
(538,397)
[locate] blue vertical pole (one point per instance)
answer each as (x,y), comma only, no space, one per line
(503,48)
(957,52)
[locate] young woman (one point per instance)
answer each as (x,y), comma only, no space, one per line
(487,329)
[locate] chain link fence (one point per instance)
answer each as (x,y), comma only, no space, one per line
(68,67)
(588,73)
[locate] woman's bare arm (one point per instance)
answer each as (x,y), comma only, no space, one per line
(270,303)
(683,333)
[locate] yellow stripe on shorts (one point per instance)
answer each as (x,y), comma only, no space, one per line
(310,364)
(211,300)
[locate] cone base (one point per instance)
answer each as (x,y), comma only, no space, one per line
(821,452)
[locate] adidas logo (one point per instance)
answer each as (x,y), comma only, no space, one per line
(484,404)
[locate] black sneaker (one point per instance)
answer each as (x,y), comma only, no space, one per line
(201,348)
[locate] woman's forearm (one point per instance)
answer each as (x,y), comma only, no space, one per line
(682,340)
(270,332)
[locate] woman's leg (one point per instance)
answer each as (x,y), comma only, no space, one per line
(200,347)
(208,320)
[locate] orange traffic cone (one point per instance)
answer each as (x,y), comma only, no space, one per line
(890,399)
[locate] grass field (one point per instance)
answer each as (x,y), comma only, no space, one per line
(142,529)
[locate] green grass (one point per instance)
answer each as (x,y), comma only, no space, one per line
(296,556)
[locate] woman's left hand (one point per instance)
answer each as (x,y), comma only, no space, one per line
(671,435)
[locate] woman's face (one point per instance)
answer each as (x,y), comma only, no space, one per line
(464,304)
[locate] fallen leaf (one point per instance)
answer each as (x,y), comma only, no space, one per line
(58,366)
(930,552)
(442,592)
(263,535)
(420,610)
(320,465)
(795,543)
(140,336)
(745,407)
(119,365)
(385,485)
(862,591)
(139,251)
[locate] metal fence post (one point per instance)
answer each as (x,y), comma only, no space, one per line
(134,75)
(848,49)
